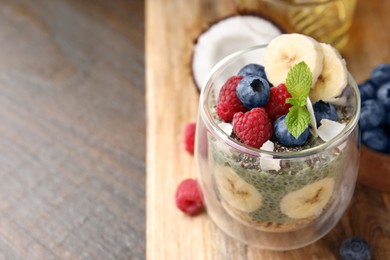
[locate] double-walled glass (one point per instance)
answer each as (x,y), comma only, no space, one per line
(281,208)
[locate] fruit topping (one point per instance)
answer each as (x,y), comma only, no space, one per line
(254,70)
(253,128)
(355,248)
(189,137)
(324,110)
(285,137)
(333,78)
(286,50)
(253,91)
(277,105)
(228,102)
(235,191)
(189,197)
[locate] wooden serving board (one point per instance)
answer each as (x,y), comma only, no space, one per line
(172,101)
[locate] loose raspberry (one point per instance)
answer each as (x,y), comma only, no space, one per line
(228,102)
(189,197)
(253,128)
(189,137)
(276,105)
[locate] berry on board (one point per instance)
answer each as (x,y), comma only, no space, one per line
(189,137)
(189,197)
(355,248)
(228,102)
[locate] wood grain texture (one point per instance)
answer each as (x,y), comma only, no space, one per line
(172,101)
(72,129)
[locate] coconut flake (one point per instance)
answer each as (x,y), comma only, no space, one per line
(225,37)
(329,129)
(313,122)
(266,161)
(226,127)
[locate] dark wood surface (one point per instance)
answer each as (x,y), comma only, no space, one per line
(72,129)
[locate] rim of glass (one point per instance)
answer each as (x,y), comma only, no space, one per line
(213,127)
(315,3)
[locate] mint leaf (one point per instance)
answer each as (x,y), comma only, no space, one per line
(300,101)
(297,120)
(299,80)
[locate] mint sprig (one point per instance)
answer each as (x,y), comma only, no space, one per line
(298,84)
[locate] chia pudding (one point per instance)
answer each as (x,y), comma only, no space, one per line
(279,159)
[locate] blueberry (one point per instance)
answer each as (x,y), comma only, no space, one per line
(252,70)
(367,90)
(355,248)
(376,139)
(283,135)
(372,114)
(324,110)
(253,92)
(383,95)
(380,74)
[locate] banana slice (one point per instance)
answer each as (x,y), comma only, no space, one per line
(333,78)
(308,201)
(235,191)
(286,50)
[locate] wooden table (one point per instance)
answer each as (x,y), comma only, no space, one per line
(72,129)
(172,101)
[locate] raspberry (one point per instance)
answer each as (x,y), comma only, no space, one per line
(228,102)
(189,197)
(276,105)
(189,137)
(253,128)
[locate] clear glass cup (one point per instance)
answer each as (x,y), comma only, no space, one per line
(325,174)
(325,20)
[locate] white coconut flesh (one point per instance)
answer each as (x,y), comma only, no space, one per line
(225,37)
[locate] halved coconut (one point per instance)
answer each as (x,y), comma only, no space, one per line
(225,37)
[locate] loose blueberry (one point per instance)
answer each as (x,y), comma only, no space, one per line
(380,74)
(252,69)
(283,135)
(355,248)
(383,95)
(253,92)
(324,110)
(367,90)
(372,114)
(376,139)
